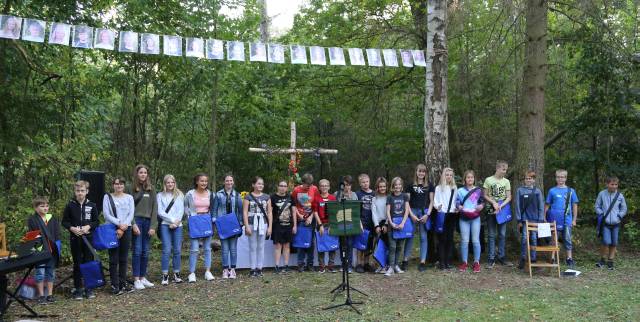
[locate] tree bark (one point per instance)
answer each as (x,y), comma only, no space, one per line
(436,138)
(530,139)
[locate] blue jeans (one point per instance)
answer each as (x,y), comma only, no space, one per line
(171,241)
(566,237)
(307,252)
(501,232)
(195,250)
(469,228)
(229,252)
(46,272)
(533,241)
(424,242)
(140,258)
(610,235)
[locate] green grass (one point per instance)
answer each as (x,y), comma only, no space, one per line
(499,294)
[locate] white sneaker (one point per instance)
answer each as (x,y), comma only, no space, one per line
(232,274)
(146,282)
(138,285)
(225,273)
(397,269)
(389,272)
(208,276)
(192,278)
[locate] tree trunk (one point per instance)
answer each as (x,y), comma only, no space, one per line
(436,138)
(530,139)
(264,21)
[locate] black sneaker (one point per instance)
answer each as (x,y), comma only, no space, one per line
(521,263)
(177,278)
(491,263)
(253,273)
(125,288)
(286,269)
(89,294)
(368,268)
(422,267)
(259,273)
(610,265)
(359,268)
(165,279)
(300,268)
(116,290)
(404,266)
(502,261)
(601,263)
(441,267)
(77,295)
(571,263)
(277,270)
(50,299)
(448,266)
(42,300)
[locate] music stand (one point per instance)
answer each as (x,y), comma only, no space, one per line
(344,221)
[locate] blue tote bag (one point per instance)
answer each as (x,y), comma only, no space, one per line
(302,238)
(105,237)
(504,215)
(439,222)
(380,254)
(92,271)
(405,232)
(200,226)
(228,226)
(360,242)
(326,242)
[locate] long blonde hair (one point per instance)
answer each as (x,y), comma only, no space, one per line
(420,166)
(443,179)
(176,192)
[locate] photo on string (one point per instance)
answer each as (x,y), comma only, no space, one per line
(215,49)
(390,57)
(407,61)
(298,54)
(172,45)
(104,39)
(195,48)
(356,57)
(418,58)
(235,50)
(82,36)
(373,57)
(10,27)
(317,55)
(257,52)
(276,53)
(59,33)
(149,44)
(34,30)
(336,56)
(128,42)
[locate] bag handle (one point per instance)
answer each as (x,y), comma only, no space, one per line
(166,210)
(259,206)
(450,200)
(615,199)
(468,195)
(93,250)
(138,197)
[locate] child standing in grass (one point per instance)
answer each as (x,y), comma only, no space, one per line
(199,201)
(397,215)
(118,208)
(145,224)
(443,202)
(611,207)
(366,196)
(323,219)
(228,200)
(171,211)
(562,207)
(50,228)
(421,193)
(257,215)
(379,216)
(469,203)
(284,225)
(497,192)
(529,206)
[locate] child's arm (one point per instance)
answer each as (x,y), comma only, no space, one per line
(623,207)
(487,197)
(407,212)
(599,209)
(161,208)
(154,214)
(516,204)
(575,214)
(269,217)
(294,217)
(389,217)
(245,217)
(431,196)
(66,218)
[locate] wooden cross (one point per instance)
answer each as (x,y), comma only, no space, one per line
(292,149)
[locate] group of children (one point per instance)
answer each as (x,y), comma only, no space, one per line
(138,213)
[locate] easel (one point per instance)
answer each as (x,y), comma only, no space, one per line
(554,249)
(4,252)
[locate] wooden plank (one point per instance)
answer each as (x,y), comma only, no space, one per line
(290,151)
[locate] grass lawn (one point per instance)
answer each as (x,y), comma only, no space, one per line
(503,293)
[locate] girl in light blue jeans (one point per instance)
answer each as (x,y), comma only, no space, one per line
(171,212)
(469,203)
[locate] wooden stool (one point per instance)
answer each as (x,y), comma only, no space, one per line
(554,249)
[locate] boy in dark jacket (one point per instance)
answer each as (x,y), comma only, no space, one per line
(80,218)
(529,207)
(43,220)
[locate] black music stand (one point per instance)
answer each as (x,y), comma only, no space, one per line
(31,263)
(344,220)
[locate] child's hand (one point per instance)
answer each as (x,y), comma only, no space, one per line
(378,230)
(136,230)
(269,231)
(384,229)
(295,229)
(247,230)
(439,207)
(574,223)
(424,219)
(76,231)
(177,222)
(152,232)
(123,227)
(321,230)
(308,221)
(86,229)
(400,226)
(119,233)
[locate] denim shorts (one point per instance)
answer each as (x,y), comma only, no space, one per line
(610,235)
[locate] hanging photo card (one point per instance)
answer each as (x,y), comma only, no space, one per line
(33,30)
(298,54)
(356,57)
(82,37)
(215,49)
(407,60)
(317,55)
(195,47)
(59,34)
(172,45)
(390,57)
(128,42)
(336,56)
(10,27)
(418,58)
(235,50)
(276,53)
(257,52)
(373,57)
(544,230)
(150,44)
(104,39)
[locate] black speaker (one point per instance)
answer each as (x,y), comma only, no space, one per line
(96,185)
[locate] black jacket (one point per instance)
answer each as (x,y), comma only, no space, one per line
(53,232)
(79,215)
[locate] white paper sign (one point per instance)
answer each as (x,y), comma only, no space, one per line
(544,230)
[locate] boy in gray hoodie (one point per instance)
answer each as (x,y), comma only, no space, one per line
(529,207)
(610,208)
